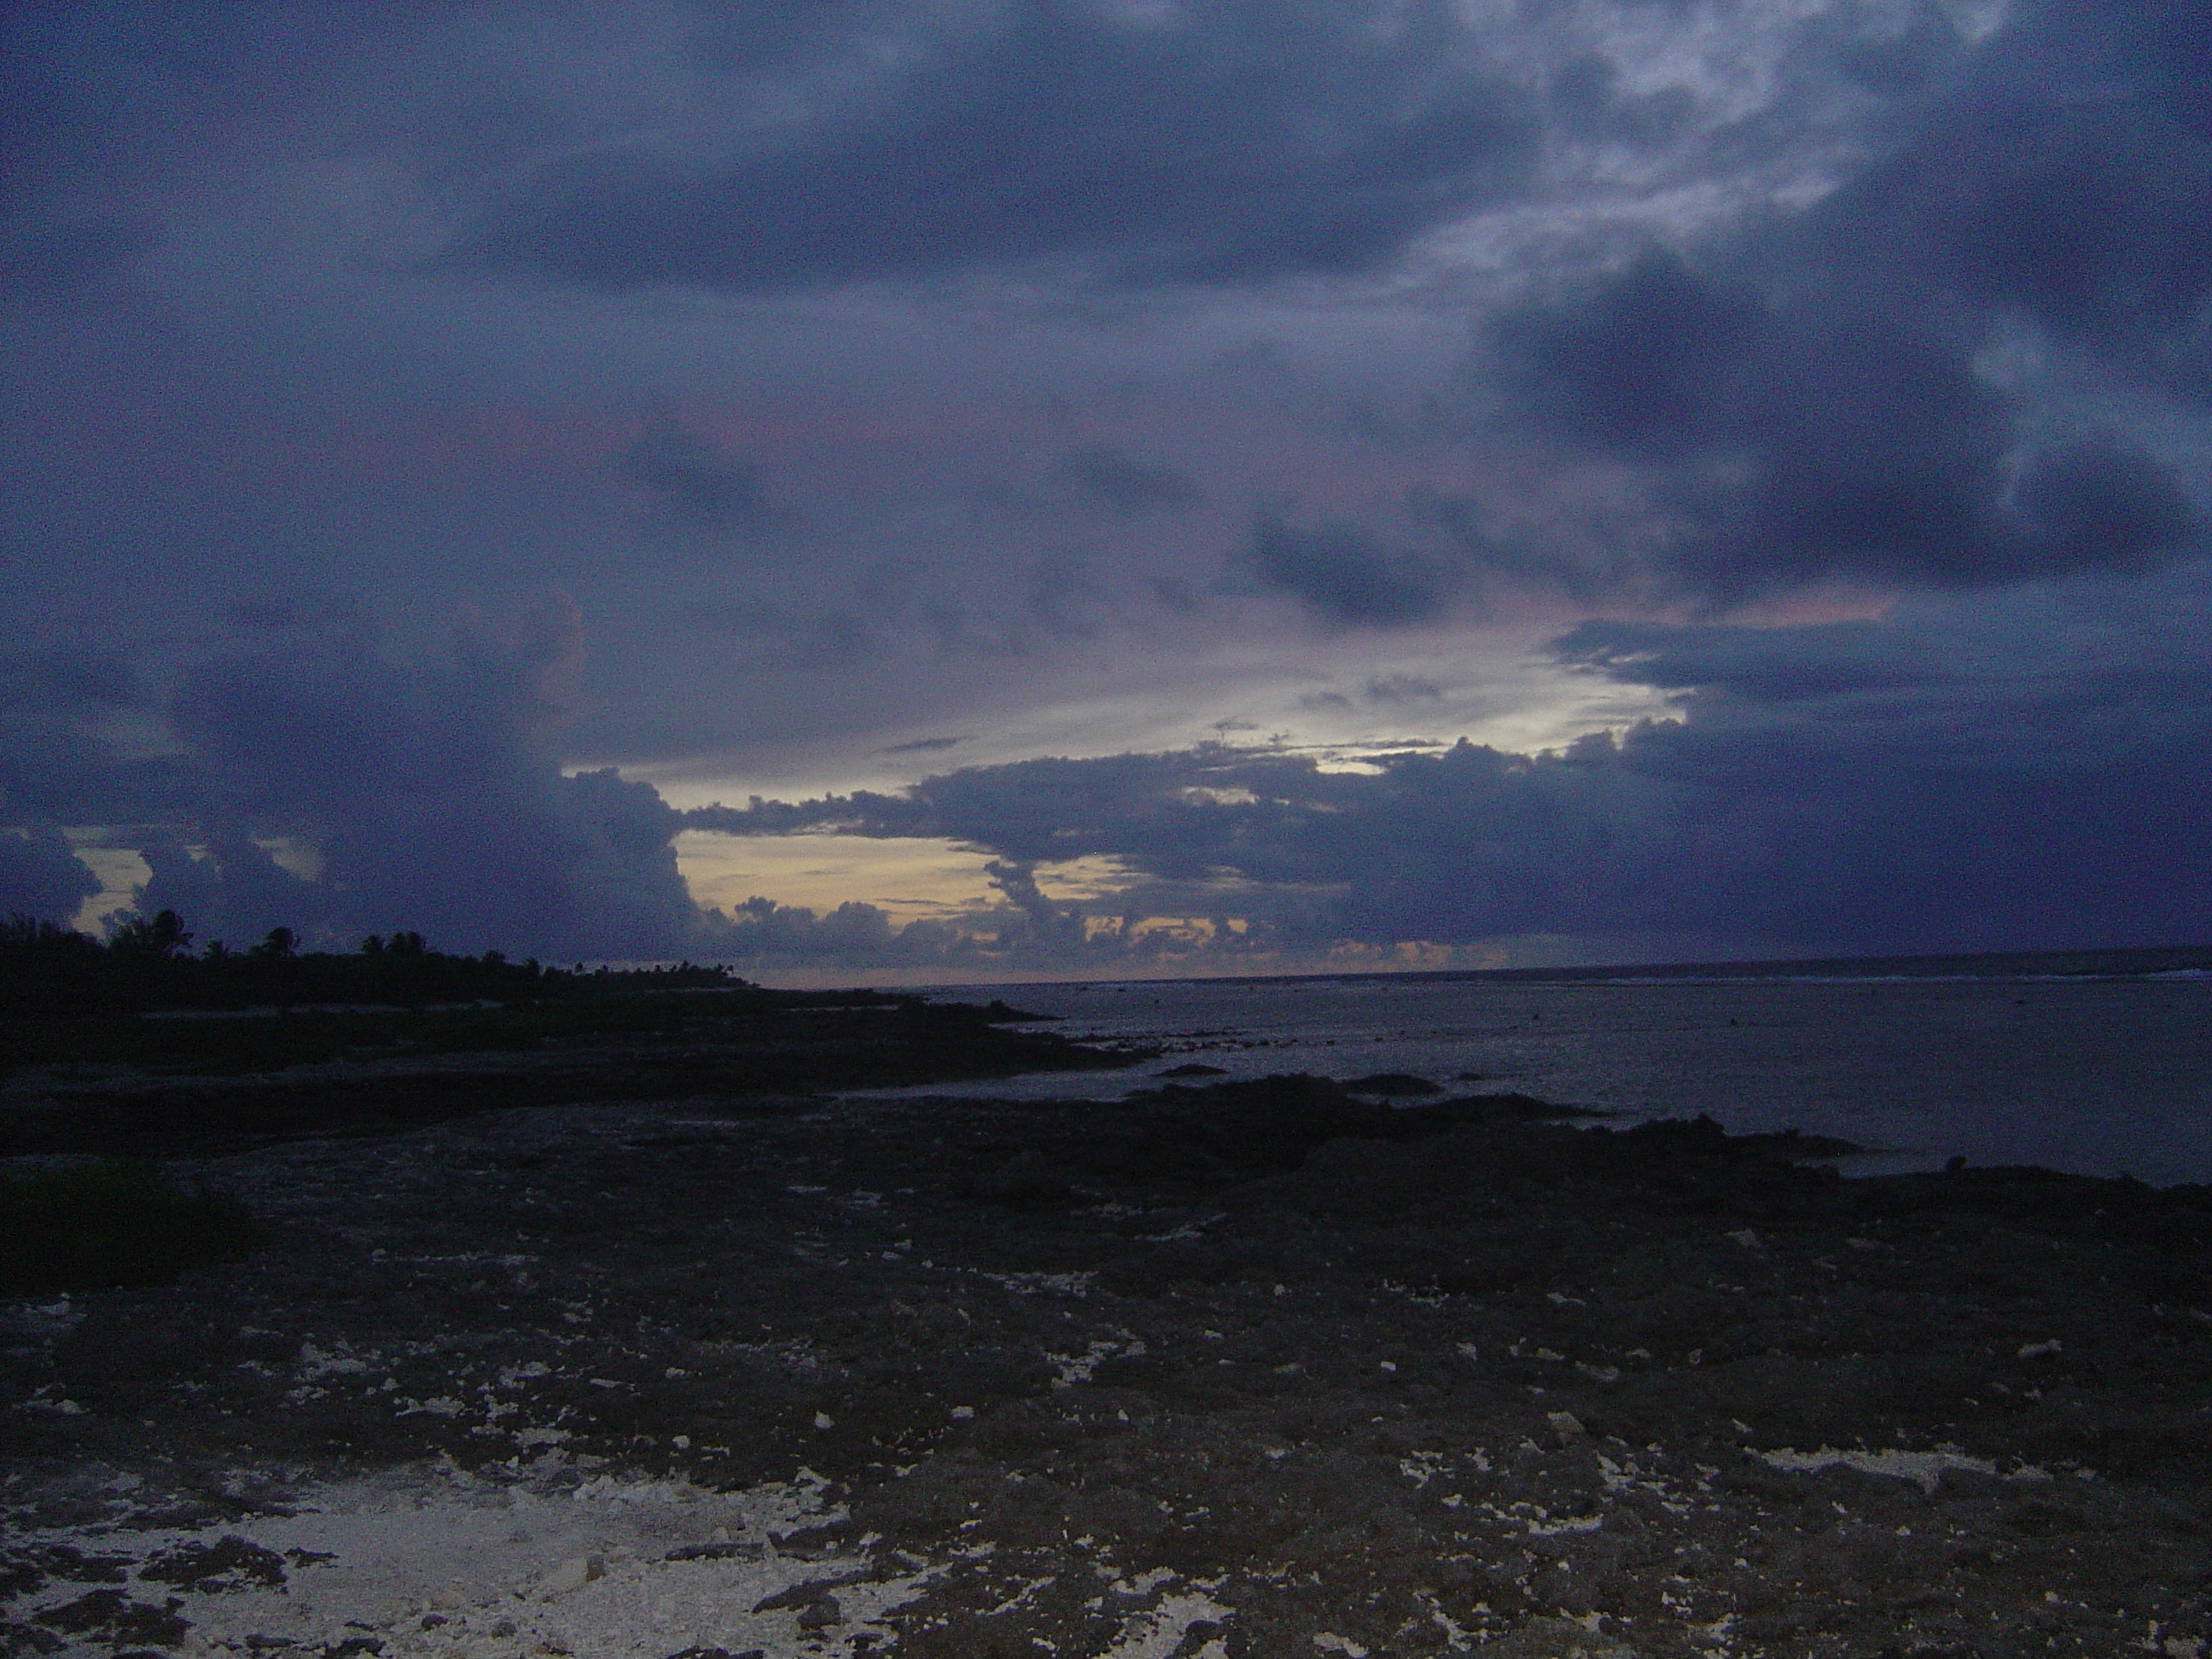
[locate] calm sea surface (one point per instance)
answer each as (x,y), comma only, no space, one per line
(2097,1076)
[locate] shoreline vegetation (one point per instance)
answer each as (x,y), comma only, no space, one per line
(718,1359)
(117,1049)
(148,966)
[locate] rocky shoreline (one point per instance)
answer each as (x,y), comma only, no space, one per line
(1252,1370)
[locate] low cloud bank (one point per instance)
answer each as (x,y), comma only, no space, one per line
(1947,780)
(2027,770)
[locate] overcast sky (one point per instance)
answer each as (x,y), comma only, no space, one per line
(964,488)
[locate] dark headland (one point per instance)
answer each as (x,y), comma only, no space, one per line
(578,1315)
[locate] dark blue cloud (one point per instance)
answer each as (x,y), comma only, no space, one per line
(420,793)
(1942,780)
(60,759)
(2095,504)
(1779,665)
(695,485)
(1348,577)
(1787,443)
(40,874)
(1650,364)
(1931,322)
(1806,398)
(1230,142)
(1124,485)
(2068,176)
(428,796)
(1402,688)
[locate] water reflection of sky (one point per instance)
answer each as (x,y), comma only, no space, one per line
(2104,1077)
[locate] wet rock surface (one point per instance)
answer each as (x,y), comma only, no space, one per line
(1250,1370)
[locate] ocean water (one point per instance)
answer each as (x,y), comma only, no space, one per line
(2094,1076)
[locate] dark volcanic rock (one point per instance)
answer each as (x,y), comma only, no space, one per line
(1025,1181)
(1394,1085)
(1249,1365)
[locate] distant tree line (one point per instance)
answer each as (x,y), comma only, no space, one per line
(147,964)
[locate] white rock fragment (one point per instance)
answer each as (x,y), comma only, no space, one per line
(1747,1237)
(2036,1350)
(1165,1630)
(1072,1369)
(571,1576)
(1329,1642)
(1542,1529)
(1565,1425)
(1924,1468)
(823,1420)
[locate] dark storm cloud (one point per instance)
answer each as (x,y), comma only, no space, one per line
(1781,664)
(1807,399)
(2096,504)
(1402,688)
(923,746)
(1348,577)
(854,935)
(62,679)
(1124,484)
(60,759)
(1584,96)
(1786,444)
(1935,781)
(1053,925)
(420,793)
(791,636)
(696,486)
(427,797)
(2071,178)
(1915,313)
(1026,931)
(1227,141)
(41,875)
(97,96)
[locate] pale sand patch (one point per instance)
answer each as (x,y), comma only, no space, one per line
(432,1562)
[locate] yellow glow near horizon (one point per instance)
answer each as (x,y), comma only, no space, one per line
(908,879)
(120,871)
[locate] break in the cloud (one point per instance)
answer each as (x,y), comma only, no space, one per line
(1091,379)
(1911,784)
